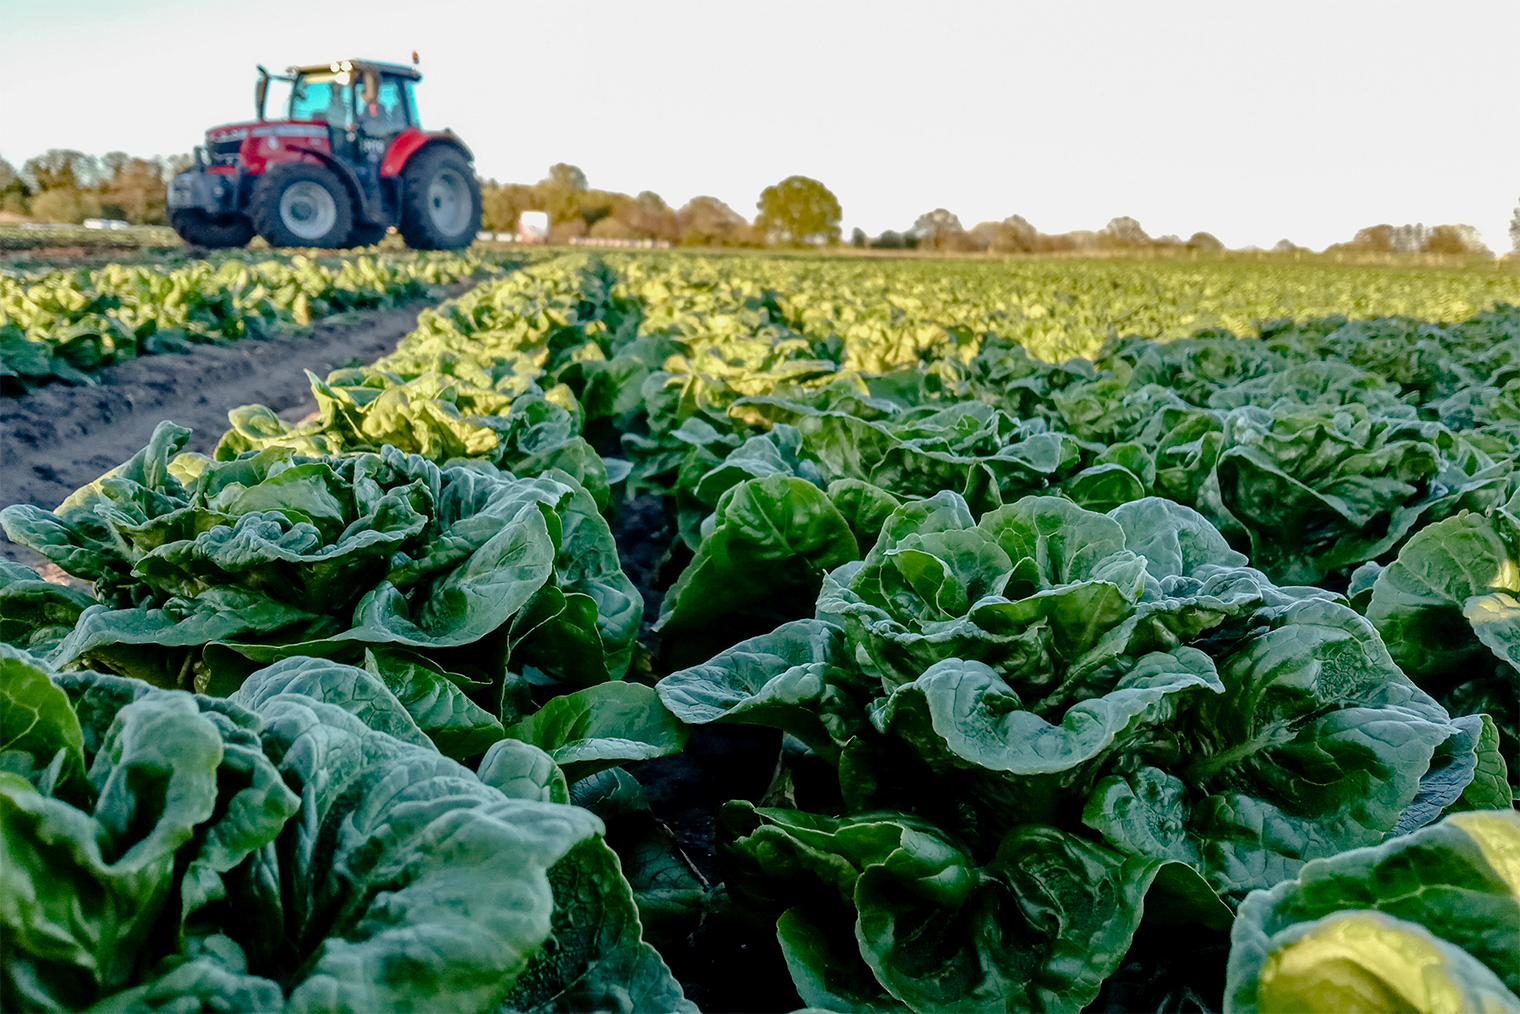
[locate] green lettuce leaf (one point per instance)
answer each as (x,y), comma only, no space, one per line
(275,849)
(772,540)
(602,726)
(1427,921)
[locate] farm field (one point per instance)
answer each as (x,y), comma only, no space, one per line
(658,631)
(59,325)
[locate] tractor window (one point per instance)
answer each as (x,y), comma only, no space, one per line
(320,97)
(387,114)
(411,105)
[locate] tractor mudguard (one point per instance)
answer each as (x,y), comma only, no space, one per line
(409,141)
(266,143)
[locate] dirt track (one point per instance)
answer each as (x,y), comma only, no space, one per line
(56,438)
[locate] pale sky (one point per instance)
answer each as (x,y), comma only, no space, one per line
(1253,121)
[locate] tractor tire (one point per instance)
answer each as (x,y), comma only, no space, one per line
(200,229)
(365,235)
(440,200)
(302,204)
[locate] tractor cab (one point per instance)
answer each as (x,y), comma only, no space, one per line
(348,161)
(374,99)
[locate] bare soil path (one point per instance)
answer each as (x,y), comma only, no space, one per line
(56,438)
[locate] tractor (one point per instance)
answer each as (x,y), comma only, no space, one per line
(348,161)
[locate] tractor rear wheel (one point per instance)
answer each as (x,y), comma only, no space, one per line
(200,229)
(301,204)
(440,200)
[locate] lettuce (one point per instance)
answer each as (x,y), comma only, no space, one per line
(1048,673)
(884,911)
(278,849)
(1447,608)
(1427,922)
(207,569)
(37,614)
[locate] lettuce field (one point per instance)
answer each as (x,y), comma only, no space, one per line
(662,632)
(69,325)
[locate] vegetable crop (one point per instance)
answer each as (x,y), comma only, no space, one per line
(1070,604)
(68,326)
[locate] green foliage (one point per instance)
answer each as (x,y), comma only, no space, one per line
(282,849)
(1049,672)
(799,210)
(70,325)
(207,569)
(1446,607)
(1070,620)
(1425,922)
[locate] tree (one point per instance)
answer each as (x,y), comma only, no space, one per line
(559,192)
(857,237)
(642,217)
(934,227)
(1126,230)
(983,235)
(1454,239)
(594,205)
(707,221)
(171,166)
(501,205)
(1514,229)
(1375,238)
(133,189)
(798,210)
(14,195)
(1410,238)
(61,168)
(567,176)
(1205,241)
(889,240)
(65,205)
(1014,235)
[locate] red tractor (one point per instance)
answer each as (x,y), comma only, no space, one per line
(348,161)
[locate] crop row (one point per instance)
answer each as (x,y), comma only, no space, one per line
(68,326)
(1220,633)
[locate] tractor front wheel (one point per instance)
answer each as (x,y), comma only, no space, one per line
(301,204)
(440,200)
(200,229)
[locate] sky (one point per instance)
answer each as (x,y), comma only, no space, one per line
(1253,121)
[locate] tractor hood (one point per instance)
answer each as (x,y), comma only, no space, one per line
(267,128)
(224,143)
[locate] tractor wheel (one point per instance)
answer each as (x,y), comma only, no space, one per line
(200,229)
(301,204)
(440,200)
(365,235)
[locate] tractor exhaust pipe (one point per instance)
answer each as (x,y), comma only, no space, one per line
(261,91)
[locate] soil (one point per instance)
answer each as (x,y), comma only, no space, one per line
(58,437)
(728,963)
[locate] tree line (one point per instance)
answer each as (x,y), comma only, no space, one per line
(796,211)
(63,185)
(802,211)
